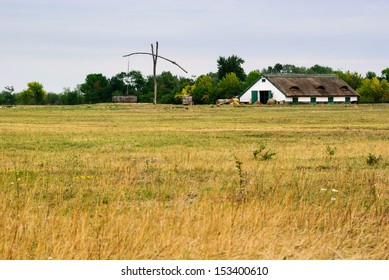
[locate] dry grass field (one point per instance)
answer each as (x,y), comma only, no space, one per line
(170,182)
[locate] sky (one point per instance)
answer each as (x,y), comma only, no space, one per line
(58,42)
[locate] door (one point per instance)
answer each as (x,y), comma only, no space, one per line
(264,96)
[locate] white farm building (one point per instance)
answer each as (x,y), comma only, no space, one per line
(295,89)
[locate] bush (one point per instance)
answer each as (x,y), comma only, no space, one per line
(330,150)
(262,154)
(372,159)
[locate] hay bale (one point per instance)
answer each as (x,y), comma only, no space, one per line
(234,102)
(271,101)
(223,101)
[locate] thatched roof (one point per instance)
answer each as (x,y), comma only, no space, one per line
(311,85)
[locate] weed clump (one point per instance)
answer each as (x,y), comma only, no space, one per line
(262,154)
(373,160)
(330,151)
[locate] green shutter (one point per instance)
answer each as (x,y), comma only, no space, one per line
(348,99)
(254,96)
(313,100)
(330,100)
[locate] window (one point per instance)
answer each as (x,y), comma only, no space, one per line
(344,88)
(295,100)
(263,80)
(313,100)
(320,88)
(330,100)
(294,88)
(347,99)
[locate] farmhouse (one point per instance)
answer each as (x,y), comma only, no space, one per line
(295,89)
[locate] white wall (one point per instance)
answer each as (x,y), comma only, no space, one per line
(343,99)
(354,99)
(322,99)
(265,86)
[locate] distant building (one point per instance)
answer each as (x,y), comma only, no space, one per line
(300,89)
(124,99)
(187,100)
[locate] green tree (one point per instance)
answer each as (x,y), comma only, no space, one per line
(278,68)
(204,89)
(374,91)
(6,96)
(123,83)
(290,68)
(34,94)
(117,85)
(147,93)
(3,98)
(385,91)
(370,75)
(96,89)
(318,69)
(137,81)
(230,86)
(25,97)
(353,79)
(167,87)
(385,74)
(132,83)
(54,99)
(72,97)
(252,77)
(187,90)
(231,64)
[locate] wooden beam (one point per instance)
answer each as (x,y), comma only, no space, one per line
(155,57)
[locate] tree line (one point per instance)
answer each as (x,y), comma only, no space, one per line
(230,80)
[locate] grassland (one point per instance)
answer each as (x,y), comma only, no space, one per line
(170,182)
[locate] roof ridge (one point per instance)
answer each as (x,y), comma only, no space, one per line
(300,75)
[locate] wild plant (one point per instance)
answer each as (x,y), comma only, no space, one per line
(330,151)
(262,154)
(373,160)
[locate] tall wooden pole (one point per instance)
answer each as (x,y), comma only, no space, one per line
(128,73)
(155,56)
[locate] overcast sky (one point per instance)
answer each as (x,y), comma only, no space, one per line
(59,42)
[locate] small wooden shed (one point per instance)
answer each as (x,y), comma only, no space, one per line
(124,99)
(187,100)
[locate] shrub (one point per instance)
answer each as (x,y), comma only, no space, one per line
(330,150)
(262,154)
(268,155)
(372,159)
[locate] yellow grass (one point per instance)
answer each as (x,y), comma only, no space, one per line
(171,182)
